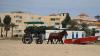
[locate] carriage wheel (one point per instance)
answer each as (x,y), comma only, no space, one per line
(27,40)
(39,41)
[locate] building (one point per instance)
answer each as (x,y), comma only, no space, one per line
(19,18)
(84,18)
(52,19)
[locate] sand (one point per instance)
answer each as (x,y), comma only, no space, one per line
(17,48)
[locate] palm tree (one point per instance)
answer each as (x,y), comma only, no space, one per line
(12,25)
(7,21)
(1,25)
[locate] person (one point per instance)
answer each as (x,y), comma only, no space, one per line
(66,35)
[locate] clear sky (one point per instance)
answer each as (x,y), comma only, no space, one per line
(46,7)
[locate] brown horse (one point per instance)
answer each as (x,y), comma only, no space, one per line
(56,36)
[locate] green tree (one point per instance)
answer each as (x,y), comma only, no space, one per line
(73,25)
(7,21)
(66,21)
(1,25)
(93,31)
(84,27)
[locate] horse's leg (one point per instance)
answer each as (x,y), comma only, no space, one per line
(54,41)
(48,41)
(57,41)
(62,41)
(51,41)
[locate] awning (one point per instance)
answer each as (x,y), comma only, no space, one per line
(34,22)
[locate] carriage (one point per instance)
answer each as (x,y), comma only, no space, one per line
(33,34)
(38,34)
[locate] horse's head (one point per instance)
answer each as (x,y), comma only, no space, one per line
(64,32)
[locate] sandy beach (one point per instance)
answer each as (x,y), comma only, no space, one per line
(17,48)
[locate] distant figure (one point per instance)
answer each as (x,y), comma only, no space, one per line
(66,35)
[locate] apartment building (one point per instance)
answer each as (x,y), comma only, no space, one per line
(84,18)
(52,19)
(19,18)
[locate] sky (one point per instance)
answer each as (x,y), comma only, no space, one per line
(46,7)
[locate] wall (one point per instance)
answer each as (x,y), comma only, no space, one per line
(71,34)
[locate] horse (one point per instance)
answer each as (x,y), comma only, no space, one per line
(56,36)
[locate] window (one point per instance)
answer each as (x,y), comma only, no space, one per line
(16,27)
(57,23)
(14,16)
(52,19)
(18,21)
(57,18)
(19,17)
(18,31)
(39,18)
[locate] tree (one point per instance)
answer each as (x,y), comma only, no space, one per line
(84,27)
(1,25)
(12,25)
(73,25)
(7,21)
(93,31)
(66,21)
